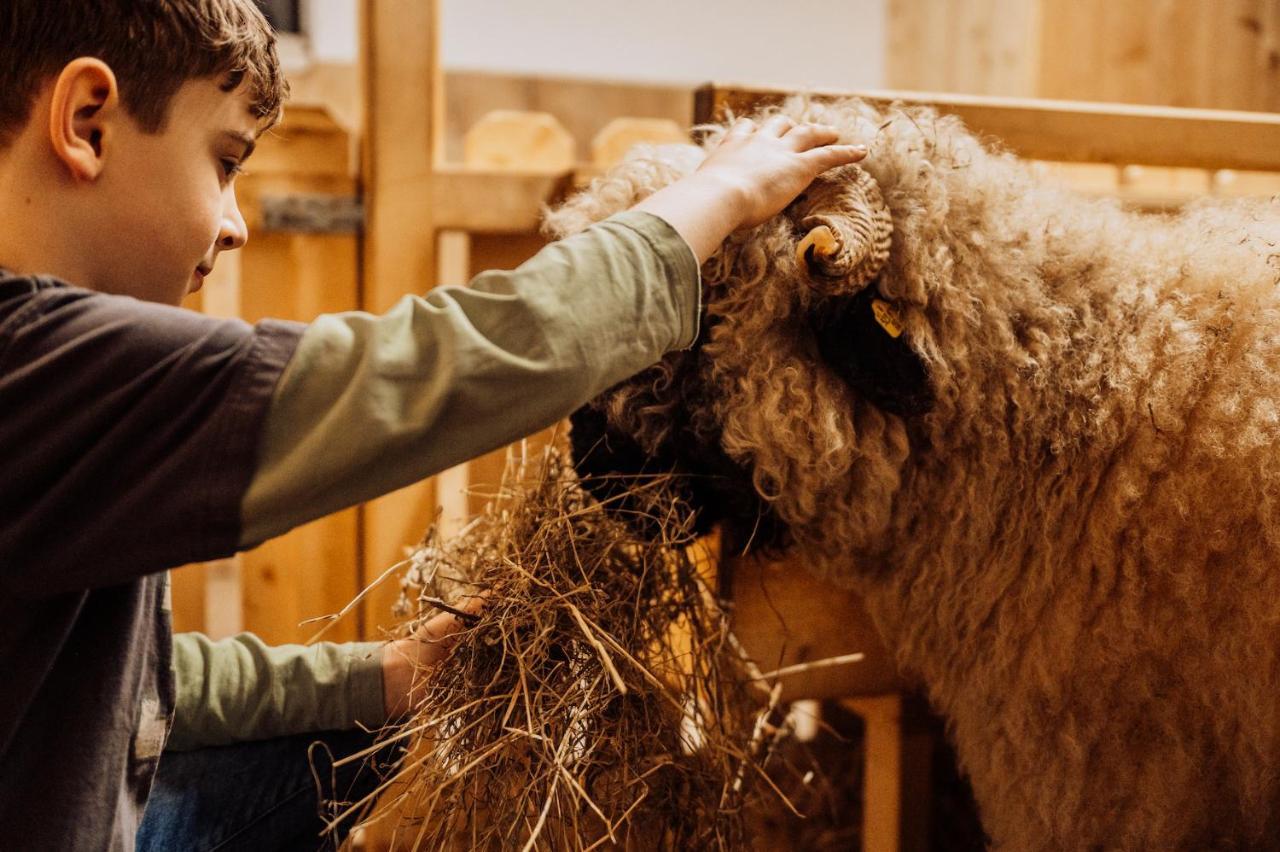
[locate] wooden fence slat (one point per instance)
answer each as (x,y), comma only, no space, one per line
(1070,131)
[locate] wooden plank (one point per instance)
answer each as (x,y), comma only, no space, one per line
(986,46)
(452,485)
(1187,53)
(1246,184)
(1092,178)
(223,597)
(188,592)
(496,202)
(783,616)
(402,123)
(1068,131)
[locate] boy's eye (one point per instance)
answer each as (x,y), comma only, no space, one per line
(231,168)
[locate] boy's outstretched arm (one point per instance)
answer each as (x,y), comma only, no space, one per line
(370,404)
(172,437)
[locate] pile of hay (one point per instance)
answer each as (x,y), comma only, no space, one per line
(598,701)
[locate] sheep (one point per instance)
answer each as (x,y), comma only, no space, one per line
(1036,431)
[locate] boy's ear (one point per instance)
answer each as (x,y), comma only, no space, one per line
(85,102)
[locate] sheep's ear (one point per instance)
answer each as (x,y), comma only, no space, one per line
(861,338)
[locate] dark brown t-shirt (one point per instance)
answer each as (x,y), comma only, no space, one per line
(128,434)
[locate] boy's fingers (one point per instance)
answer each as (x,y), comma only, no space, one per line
(441,626)
(807,136)
(741,127)
(778,125)
(474,604)
(831,156)
(436,637)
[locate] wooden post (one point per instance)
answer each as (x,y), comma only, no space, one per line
(452,485)
(402,126)
(882,778)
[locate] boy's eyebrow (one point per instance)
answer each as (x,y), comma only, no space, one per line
(249,142)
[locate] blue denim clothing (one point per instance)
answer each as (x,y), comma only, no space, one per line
(259,796)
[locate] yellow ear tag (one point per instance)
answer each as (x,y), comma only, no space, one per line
(887,315)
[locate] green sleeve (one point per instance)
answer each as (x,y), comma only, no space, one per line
(369,404)
(241,689)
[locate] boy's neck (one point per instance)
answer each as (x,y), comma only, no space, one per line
(34,220)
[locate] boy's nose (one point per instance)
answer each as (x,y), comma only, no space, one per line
(234,233)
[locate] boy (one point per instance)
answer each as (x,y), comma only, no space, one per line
(138,436)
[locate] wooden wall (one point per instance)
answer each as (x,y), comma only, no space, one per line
(1187,53)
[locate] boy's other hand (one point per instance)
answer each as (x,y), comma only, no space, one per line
(750,176)
(403,658)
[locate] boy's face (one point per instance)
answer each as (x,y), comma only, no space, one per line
(165,203)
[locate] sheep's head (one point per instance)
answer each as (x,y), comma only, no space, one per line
(789,416)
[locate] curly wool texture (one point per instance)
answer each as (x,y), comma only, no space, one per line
(1075,549)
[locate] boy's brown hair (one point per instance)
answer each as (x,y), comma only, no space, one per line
(153,46)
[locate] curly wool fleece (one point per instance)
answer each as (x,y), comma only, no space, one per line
(1073,545)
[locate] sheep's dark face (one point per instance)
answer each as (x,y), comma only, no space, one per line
(785,422)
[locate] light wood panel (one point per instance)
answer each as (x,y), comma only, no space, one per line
(785,616)
(986,46)
(1184,53)
(312,570)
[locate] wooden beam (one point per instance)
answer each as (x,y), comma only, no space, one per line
(1066,131)
(784,616)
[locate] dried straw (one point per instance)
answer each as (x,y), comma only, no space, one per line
(598,702)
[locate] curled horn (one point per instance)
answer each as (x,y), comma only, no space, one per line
(847,230)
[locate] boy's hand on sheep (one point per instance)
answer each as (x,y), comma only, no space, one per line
(749,177)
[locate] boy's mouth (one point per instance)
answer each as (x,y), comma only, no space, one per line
(197,278)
